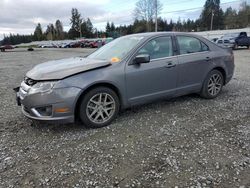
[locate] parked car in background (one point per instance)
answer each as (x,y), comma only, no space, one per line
(6,47)
(214,39)
(48,46)
(65,45)
(85,43)
(76,44)
(107,40)
(128,71)
(96,43)
(234,40)
(223,42)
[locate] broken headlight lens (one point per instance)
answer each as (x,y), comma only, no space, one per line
(42,87)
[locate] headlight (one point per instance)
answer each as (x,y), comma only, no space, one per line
(41,87)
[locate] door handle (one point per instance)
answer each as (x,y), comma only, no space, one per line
(208,59)
(170,64)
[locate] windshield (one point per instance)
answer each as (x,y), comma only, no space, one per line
(234,35)
(116,50)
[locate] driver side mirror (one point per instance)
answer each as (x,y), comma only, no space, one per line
(143,58)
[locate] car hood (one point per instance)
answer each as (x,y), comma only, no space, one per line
(59,69)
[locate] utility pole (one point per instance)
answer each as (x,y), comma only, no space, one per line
(156,20)
(80,29)
(212,20)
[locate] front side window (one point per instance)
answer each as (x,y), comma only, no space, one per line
(160,47)
(189,45)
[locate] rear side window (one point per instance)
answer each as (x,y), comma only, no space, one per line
(204,47)
(189,45)
(158,48)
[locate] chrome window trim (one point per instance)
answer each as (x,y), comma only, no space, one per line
(193,53)
(163,58)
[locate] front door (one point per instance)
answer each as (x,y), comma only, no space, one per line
(148,81)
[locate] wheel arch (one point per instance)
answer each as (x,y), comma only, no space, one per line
(95,85)
(223,72)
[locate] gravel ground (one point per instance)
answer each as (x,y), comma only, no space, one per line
(182,142)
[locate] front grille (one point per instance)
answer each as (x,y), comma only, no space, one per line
(29,81)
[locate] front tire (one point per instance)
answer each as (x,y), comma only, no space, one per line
(212,85)
(99,107)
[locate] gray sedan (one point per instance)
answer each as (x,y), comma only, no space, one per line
(130,70)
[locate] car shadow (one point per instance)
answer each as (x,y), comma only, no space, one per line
(76,127)
(240,48)
(130,112)
(57,128)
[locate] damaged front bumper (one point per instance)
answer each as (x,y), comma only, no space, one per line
(56,106)
(18,100)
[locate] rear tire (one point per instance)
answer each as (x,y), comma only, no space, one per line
(99,107)
(212,85)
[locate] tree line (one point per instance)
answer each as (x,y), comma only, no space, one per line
(144,13)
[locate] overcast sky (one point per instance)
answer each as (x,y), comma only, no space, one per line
(21,16)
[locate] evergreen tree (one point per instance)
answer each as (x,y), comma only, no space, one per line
(38,33)
(162,24)
(50,32)
(108,29)
(178,26)
(244,15)
(230,18)
(170,26)
(140,26)
(16,39)
(87,28)
(112,27)
(211,9)
(59,30)
(75,22)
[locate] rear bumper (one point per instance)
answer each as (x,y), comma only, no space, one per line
(228,45)
(228,79)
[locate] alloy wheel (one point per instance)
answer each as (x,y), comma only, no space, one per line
(100,108)
(214,84)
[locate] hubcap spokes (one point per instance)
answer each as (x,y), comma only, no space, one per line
(214,84)
(100,108)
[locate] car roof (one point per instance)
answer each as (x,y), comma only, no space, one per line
(151,34)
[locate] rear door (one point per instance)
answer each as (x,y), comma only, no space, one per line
(194,61)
